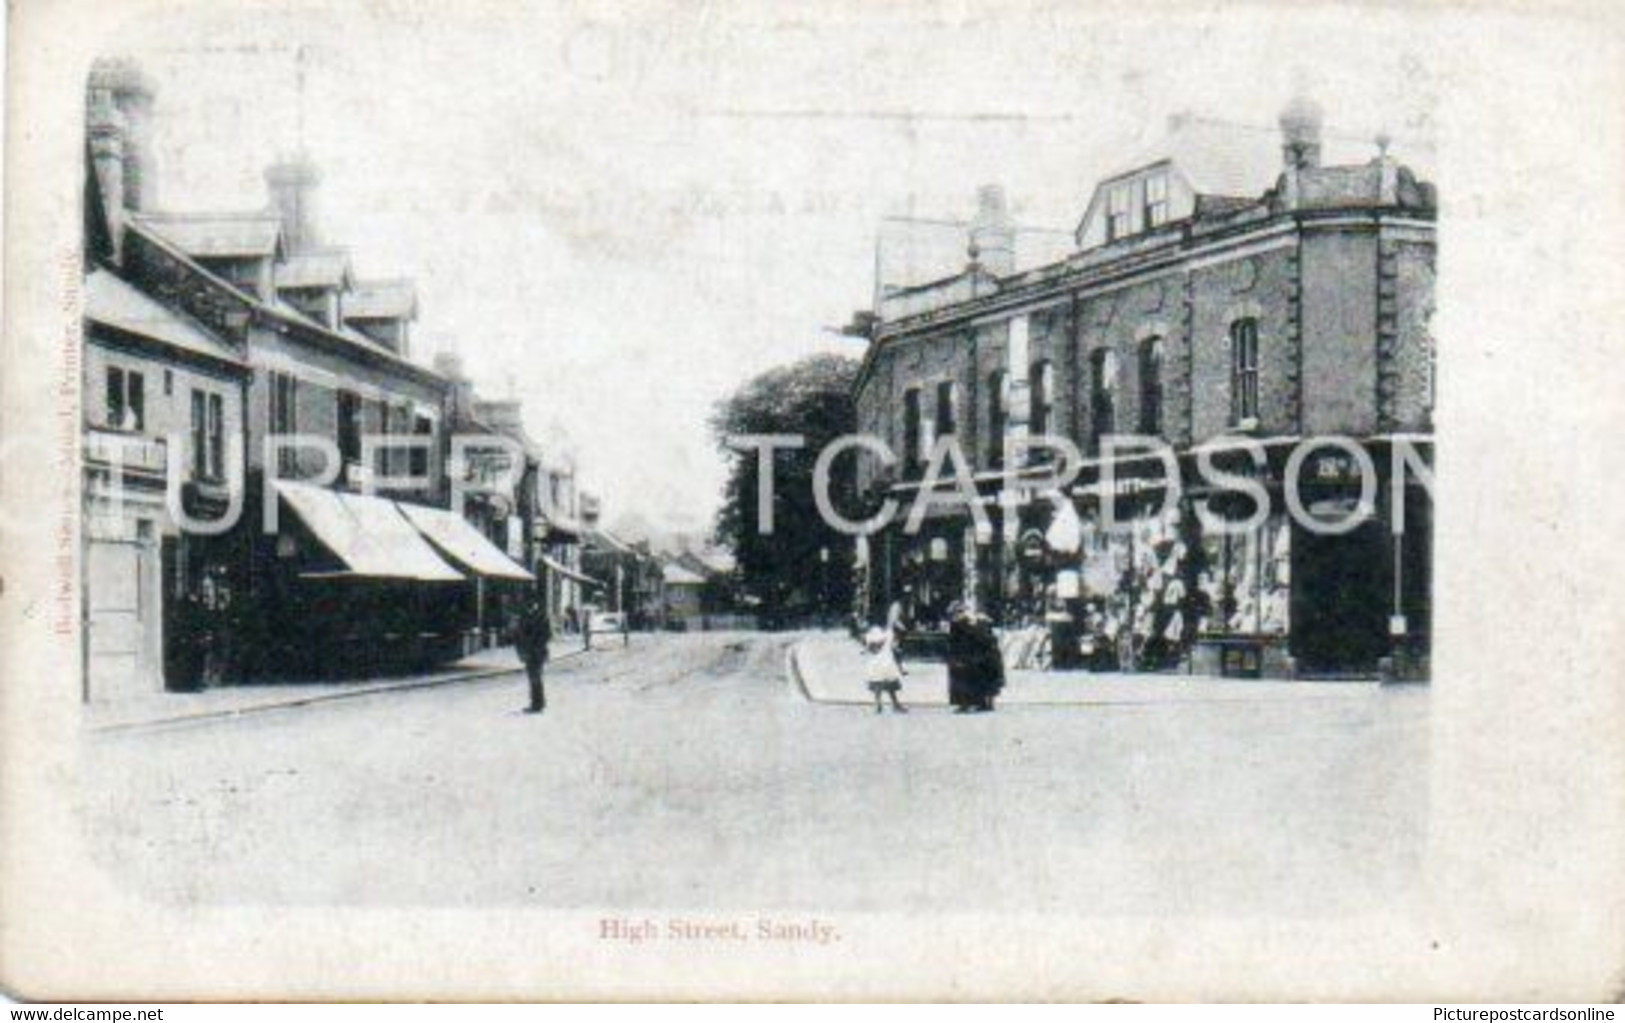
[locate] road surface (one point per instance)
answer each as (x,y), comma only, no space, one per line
(687,772)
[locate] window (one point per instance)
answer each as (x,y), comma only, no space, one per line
(1117,212)
(998,415)
(126,400)
(386,454)
(1156,200)
(284,417)
(1042,383)
(423,427)
(1243,370)
(1103,392)
(912,455)
(349,427)
(946,419)
(208,436)
(1151,386)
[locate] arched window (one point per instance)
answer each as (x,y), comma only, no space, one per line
(1103,392)
(998,415)
(1042,383)
(947,412)
(1151,386)
(1243,370)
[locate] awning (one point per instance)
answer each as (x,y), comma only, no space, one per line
(368,534)
(569,573)
(455,537)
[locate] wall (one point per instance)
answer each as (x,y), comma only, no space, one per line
(1262,285)
(321,375)
(166,415)
(1339,331)
(1408,275)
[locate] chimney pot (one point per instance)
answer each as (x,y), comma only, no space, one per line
(1300,133)
(992,242)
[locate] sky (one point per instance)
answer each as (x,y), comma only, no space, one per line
(618,213)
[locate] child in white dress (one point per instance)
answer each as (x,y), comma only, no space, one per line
(882,669)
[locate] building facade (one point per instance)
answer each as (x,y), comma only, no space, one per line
(268,470)
(1223,300)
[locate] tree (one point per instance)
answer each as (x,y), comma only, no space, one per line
(804,566)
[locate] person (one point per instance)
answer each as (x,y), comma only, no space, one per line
(882,668)
(963,660)
(533,633)
(989,673)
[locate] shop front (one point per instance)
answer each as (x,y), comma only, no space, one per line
(348,588)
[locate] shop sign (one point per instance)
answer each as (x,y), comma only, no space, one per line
(1334,467)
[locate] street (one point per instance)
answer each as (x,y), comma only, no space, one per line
(688,771)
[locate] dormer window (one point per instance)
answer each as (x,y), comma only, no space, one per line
(1118,207)
(1156,201)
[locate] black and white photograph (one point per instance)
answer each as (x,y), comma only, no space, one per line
(917,501)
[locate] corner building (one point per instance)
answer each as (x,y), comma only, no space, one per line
(1219,292)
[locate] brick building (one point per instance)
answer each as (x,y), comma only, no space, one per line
(1221,293)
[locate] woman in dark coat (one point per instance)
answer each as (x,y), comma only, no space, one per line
(975,663)
(964,657)
(990,663)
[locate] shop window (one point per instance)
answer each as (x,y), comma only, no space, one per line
(1243,371)
(1156,201)
(998,414)
(126,400)
(1103,392)
(1151,386)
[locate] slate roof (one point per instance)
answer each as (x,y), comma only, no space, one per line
(381,300)
(1216,158)
(115,303)
(321,268)
(218,234)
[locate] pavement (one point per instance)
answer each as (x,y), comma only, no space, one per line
(169,708)
(828,668)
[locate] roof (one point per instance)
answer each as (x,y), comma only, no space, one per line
(454,536)
(218,234)
(1215,158)
(368,534)
(115,303)
(381,300)
(612,542)
(283,310)
(322,268)
(915,253)
(677,575)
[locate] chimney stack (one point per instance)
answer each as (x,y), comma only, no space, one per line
(292,185)
(105,128)
(122,84)
(1300,134)
(992,235)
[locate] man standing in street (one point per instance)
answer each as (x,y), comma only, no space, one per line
(532,638)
